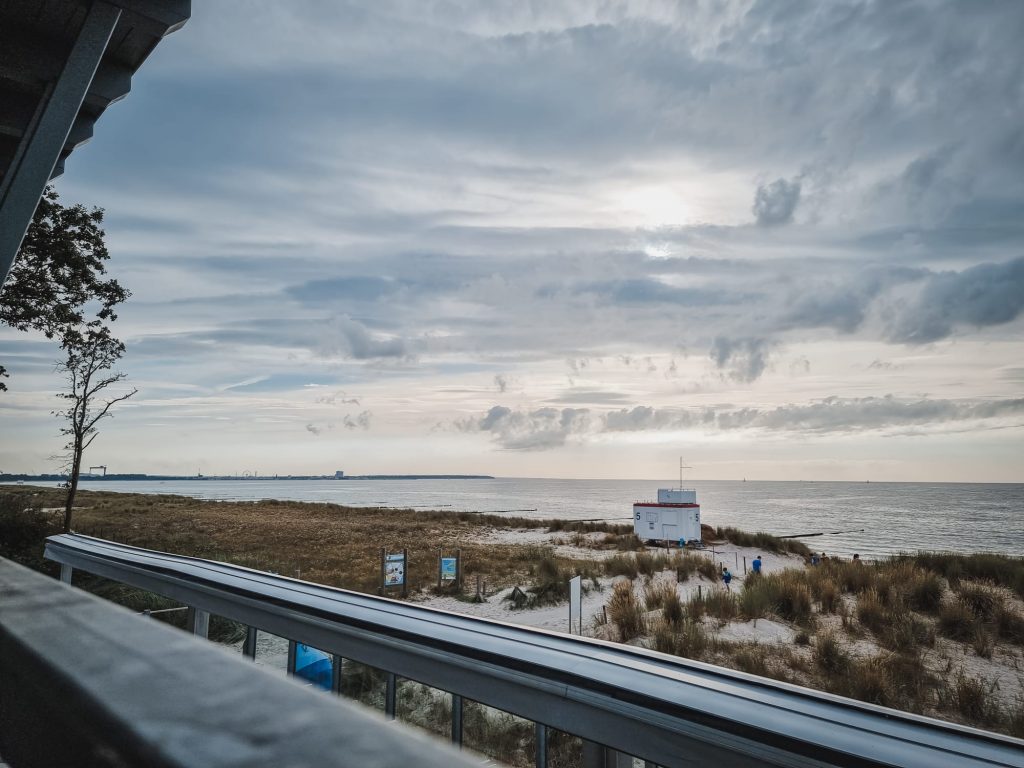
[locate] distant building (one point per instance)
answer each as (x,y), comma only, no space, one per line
(339,475)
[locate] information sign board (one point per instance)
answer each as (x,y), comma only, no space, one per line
(394,570)
(449,568)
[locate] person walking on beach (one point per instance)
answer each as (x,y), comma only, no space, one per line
(727,577)
(814,558)
(757,564)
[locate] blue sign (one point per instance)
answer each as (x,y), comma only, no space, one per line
(449,566)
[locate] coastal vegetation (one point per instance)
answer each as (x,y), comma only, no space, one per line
(940,634)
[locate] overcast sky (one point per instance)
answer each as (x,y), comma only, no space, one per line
(783,240)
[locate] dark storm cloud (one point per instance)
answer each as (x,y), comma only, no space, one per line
(775,203)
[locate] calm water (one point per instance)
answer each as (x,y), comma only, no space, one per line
(894,516)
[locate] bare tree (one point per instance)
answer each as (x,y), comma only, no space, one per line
(91,353)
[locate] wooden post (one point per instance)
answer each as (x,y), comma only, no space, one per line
(382,571)
(744,565)
(438,569)
(479,597)
(458,569)
(405,577)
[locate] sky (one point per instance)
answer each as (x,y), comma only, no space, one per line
(781,240)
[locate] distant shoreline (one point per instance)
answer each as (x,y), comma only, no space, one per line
(202,478)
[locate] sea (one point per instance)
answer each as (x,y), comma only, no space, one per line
(872,519)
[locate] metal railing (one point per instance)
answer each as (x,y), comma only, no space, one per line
(85,683)
(618,699)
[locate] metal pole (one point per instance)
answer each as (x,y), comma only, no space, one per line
(457,720)
(198,622)
(249,646)
(540,758)
(293,649)
(390,694)
(336,670)
(41,145)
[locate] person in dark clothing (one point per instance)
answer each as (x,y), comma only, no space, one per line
(757,564)
(727,577)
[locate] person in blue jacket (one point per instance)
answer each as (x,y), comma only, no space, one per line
(757,564)
(726,577)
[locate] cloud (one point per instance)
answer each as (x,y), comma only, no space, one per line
(743,359)
(775,203)
(360,421)
(980,296)
(313,429)
(536,430)
(830,415)
(347,335)
(501,382)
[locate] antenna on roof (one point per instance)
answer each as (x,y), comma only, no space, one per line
(681,468)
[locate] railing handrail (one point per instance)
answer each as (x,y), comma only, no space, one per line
(84,682)
(664,709)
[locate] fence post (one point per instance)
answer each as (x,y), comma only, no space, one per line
(744,565)
(405,580)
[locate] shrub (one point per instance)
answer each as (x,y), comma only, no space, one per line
(956,621)
(909,679)
(672,610)
(868,681)
(971,699)
(904,633)
(828,596)
(764,541)
(792,596)
(924,592)
(721,604)
(621,565)
(829,654)
(24,528)
(982,601)
(1010,625)
(687,639)
(657,594)
(755,599)
(687,565)
(752,659)
(870,611)
(625,612)
(802,638)
(696,607)
(851,577)
(982,643)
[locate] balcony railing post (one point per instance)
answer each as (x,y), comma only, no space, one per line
(65,573)
(457,720)
(390,694)
(198,622)
(249,646)
(336,670)
(541,746)
(292,656)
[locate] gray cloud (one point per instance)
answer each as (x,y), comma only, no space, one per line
(981,296)
(359,421)
(830,415)
(313,429)
(743,359)
(348,335)
(775,203)
(536,430)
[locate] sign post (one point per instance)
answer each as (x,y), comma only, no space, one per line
(576,605)
(393,571)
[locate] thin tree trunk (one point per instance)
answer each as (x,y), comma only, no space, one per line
(76,468)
